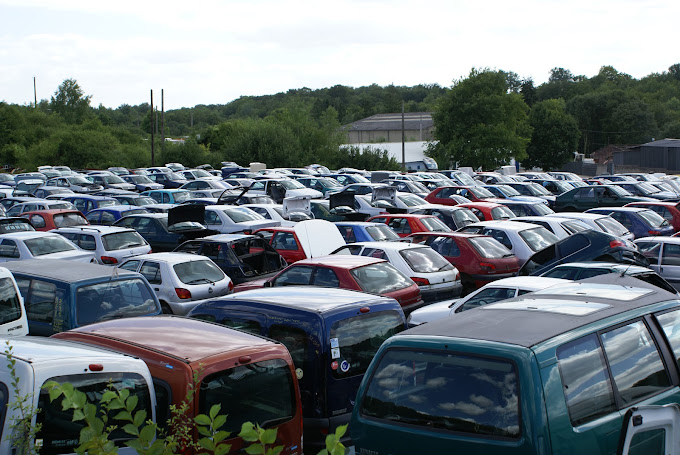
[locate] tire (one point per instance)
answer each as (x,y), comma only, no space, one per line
(166,308)
(468,285)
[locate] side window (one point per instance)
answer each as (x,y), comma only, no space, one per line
(262,211)
(347,233)
(326,277)
(152,272)
(400,225)
(285,241)
(165,198)
(247,325)
(670,322)
(212,218)
(8,249)
(585,381)
(670,255)
(300,275)
(108,218)
(87,242)
(156,197)
(211,250)
(40,301)
(501,236)
(650,250)
(374,253)
(37,221)
(163,401)
(130,265)
(379,220)
(295,340)
(635,363)
(622,218)
(93,217)
(486,297)
(446,247)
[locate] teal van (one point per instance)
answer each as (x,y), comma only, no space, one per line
(551,372)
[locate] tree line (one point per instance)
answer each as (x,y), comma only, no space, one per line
(482,120)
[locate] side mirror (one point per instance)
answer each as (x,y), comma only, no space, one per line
(267,284)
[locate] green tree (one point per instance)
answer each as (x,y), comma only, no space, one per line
(70,102)
(479,123)
(555,136)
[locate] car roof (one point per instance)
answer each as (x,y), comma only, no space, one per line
(613,266)
(527,282)
(65,270)
(505,225)
(170,257)
(310,298)
(620,209)
(659,238)
(340,261)
(94,227)
(23,235)
(187,339)
(39,349)
(389,245)
(539,316)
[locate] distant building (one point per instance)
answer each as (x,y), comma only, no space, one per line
(663,154)
(414,154)
(418,126)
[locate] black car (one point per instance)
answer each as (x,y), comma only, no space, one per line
(242,257)
(583,246)
(168,180)
(164,231)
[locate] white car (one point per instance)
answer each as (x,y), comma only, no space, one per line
(664,256)
(288,214)
(280,188)
(436,277)
(38,204)
(110,244)
(196,174)
(495,291)
(599,222)
(17,246)
(180,279)
(230,219)
(523,239)
(561,227)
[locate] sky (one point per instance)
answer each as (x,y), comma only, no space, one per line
(212,51)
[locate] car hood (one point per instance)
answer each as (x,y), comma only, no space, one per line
(299,204)
(529,199)
(318,237)
(431,312)
(255,225)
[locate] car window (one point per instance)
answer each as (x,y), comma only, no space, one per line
(585,381)
(152,272)
(486,297)
(8,249)
(566,273)
(634,362)
(670,322)
(435,390)
(325,277)
(589,273)
(285,241)
(296,275)
(538,238)
(87,242)
(38,221)
(39,297)
(130,265)
(374,253)
(380,278)
(47,245)
(670,255)
(212,218)
(425,260)
(400,225)
(198,272)
(500,236)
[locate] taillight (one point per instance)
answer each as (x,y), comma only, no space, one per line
(616,244)
(96,367)
(109,260)
(457,276)
(654,232)
(231,286)
(183,293)
(420,281)
(487,267)
(150,251)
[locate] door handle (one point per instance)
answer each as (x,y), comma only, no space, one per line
(156,289)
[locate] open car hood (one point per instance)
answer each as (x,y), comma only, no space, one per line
(318,237)
(384,193)
(186,212)
(297,204)
(342,204)
(229,196)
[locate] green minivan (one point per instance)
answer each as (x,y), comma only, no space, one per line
(551,372)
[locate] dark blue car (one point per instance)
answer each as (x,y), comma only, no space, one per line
(108,215)
(642,222)
(332,336)
(362,231)
(87,202)
(521,208)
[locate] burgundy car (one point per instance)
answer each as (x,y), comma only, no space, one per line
(479,258)
(405,224)
(358,273)
(285,241)
(442,195)
(487,211)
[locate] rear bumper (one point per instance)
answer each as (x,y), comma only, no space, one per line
(315,431)
(435,293)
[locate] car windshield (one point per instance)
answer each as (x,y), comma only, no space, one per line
(198,272)
(113,179)
(181,196)
(78,180)
(69,219)
(434,224)
(502,213)
(382,233)
(653,218)
(380,278)
(41,246)
(538,190)
(610,225)
(490,248)
(543,209)
(538,238)
(620,191)
(425,260)
(508,190)
(122,240)
(646,188)
(291,184)
(114,299)
(359,337)
(242,215)
(411,200)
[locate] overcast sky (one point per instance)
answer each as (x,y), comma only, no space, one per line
(212,51)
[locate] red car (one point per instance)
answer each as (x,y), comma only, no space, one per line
(46,220)
(285,241)
(670,211)
(405,224)
(487,211)
(442,195)
(479,258)
(359,273)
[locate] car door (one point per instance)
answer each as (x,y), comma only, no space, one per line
(584,199)
(669,267)
(151,270)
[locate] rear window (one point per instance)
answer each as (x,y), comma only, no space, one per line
(425,260)
(542,209)
(114,300)
(434,224)
(198,272)
(382,232)
(249,389)
(538,238)
(121,240)
(60,434)
(653,218)
(502,213)
(380,278)
(445,392)
(69,219)
(611,226)
(47,245)
(354,341)
(490,248)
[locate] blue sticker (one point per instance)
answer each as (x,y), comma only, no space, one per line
(344,366)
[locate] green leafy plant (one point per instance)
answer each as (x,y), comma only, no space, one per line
(261,440)
(209,427)
(333,444)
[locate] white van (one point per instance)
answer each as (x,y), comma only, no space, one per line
(13,319)
(88,369)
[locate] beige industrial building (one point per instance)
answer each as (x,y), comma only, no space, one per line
(378,128)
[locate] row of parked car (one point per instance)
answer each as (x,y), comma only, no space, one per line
(323,343)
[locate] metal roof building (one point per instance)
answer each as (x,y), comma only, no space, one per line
(418,126)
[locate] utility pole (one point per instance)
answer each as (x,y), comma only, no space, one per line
(403,140)
(35,94)
(162,122)
(152,138)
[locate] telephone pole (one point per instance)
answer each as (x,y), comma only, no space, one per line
(152,138)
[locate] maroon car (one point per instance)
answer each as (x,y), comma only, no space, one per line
(442,195)
(358,273)
(407,223)
(479,258)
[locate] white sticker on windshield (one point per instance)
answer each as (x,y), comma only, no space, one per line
(335,353)
(335,343)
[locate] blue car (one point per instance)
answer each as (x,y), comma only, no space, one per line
(507,192)
(108,215)
(362,231)
(87,202)
(520,208)
(168,196)
(642,222)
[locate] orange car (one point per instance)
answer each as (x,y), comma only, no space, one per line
(46,220)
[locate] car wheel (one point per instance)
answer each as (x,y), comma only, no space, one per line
(468,284)
(166,308)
